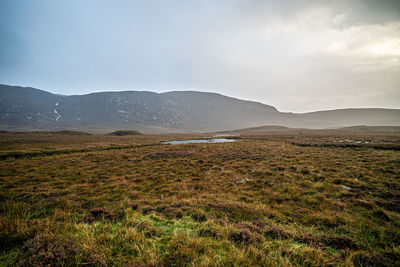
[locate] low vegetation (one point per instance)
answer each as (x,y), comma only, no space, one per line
(268,199)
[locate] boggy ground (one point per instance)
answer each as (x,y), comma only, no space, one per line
(267,199)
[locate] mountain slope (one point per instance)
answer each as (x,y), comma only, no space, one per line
(348,117)
(24,108)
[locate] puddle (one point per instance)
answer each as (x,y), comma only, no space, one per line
(196,141)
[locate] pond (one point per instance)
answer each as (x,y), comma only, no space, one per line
(195,141)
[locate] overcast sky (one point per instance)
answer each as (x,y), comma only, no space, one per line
(295,55)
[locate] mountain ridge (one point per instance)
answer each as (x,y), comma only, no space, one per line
(28,108)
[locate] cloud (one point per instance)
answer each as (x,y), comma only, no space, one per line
(370,11)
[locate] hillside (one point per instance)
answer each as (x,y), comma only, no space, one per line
(27,109)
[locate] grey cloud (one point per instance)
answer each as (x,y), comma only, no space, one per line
(372,11)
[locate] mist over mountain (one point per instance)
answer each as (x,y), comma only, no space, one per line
(27,109)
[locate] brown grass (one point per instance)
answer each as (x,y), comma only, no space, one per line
(263,200)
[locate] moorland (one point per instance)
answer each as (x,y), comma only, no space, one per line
(271,198)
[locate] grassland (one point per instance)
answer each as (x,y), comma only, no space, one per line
(307,198)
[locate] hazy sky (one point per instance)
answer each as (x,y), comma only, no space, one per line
(295,55)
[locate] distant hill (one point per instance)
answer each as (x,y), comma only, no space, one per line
(348,117)
(281,129)
(66,132)
(124,133)
(27,109)
(262,129)
(364,128)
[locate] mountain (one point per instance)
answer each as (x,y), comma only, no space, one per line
(25,108)
(273,129)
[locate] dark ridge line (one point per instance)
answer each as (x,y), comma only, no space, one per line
(19,155)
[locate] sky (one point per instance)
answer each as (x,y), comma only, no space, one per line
(296,55)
